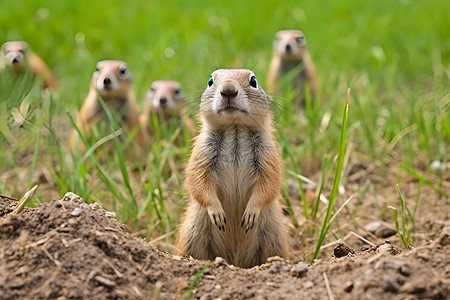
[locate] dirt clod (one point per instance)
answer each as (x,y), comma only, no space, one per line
(299,270)
(49,253)
(342,250)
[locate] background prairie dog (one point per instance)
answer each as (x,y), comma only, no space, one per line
(165,100)
(112,82)
(18,58)
(234,176)
(289,52)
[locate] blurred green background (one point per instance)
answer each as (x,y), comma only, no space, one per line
(186,40)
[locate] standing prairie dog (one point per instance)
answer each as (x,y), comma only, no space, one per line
(234,176)
(165,100)
(17,57)
(289,52)
(112,82)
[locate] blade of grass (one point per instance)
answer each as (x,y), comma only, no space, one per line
(336,181)
(323,177)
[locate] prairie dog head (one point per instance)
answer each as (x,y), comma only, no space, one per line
(165,97)
(289,44)
(233,96)
(112,79)
(14,54)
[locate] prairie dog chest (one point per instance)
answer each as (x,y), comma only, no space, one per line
(288,66)
(235,155)
(118,107)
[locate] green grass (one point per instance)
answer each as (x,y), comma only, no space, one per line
(403,230)
(336,180)
(394,55)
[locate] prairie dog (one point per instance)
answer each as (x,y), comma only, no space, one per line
(289,51)
(112,82)
(234,176)
(165,100)
(17,57)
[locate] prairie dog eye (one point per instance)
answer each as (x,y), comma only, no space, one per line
(253,82)
(152,89)
(299,39)
(210,82)
(123,72)
(177,91)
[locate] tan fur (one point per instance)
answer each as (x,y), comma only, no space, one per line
(284,60)
(17,57)
(234,177)
(119,97)
(166,100)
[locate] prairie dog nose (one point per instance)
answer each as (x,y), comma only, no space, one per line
(107,81)
(288,48)
(15,60)
(229,90)
(163,100)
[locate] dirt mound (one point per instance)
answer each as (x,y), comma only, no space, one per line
(69,249)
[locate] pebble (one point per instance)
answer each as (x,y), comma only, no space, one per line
(76,212)
(385,232)
(348,286)
(110,214)
(220,261)
(373,226)
(405,270)
(299,270)
(342,250)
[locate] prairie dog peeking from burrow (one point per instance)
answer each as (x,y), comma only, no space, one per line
(290,52)
(234,176)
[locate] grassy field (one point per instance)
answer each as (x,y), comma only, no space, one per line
(394,55)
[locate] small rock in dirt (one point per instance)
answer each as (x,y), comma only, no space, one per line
(348,286)
(387,248)
(373,226)
(177,257)
(72,197)
(110,214)
(405,270)
(308,284)
(342,250)
(220,261)
(385,232)
(389,285)
(217,286)
(76,212)
(379,230)
(299,270)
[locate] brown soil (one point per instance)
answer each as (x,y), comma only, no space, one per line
(69,249)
